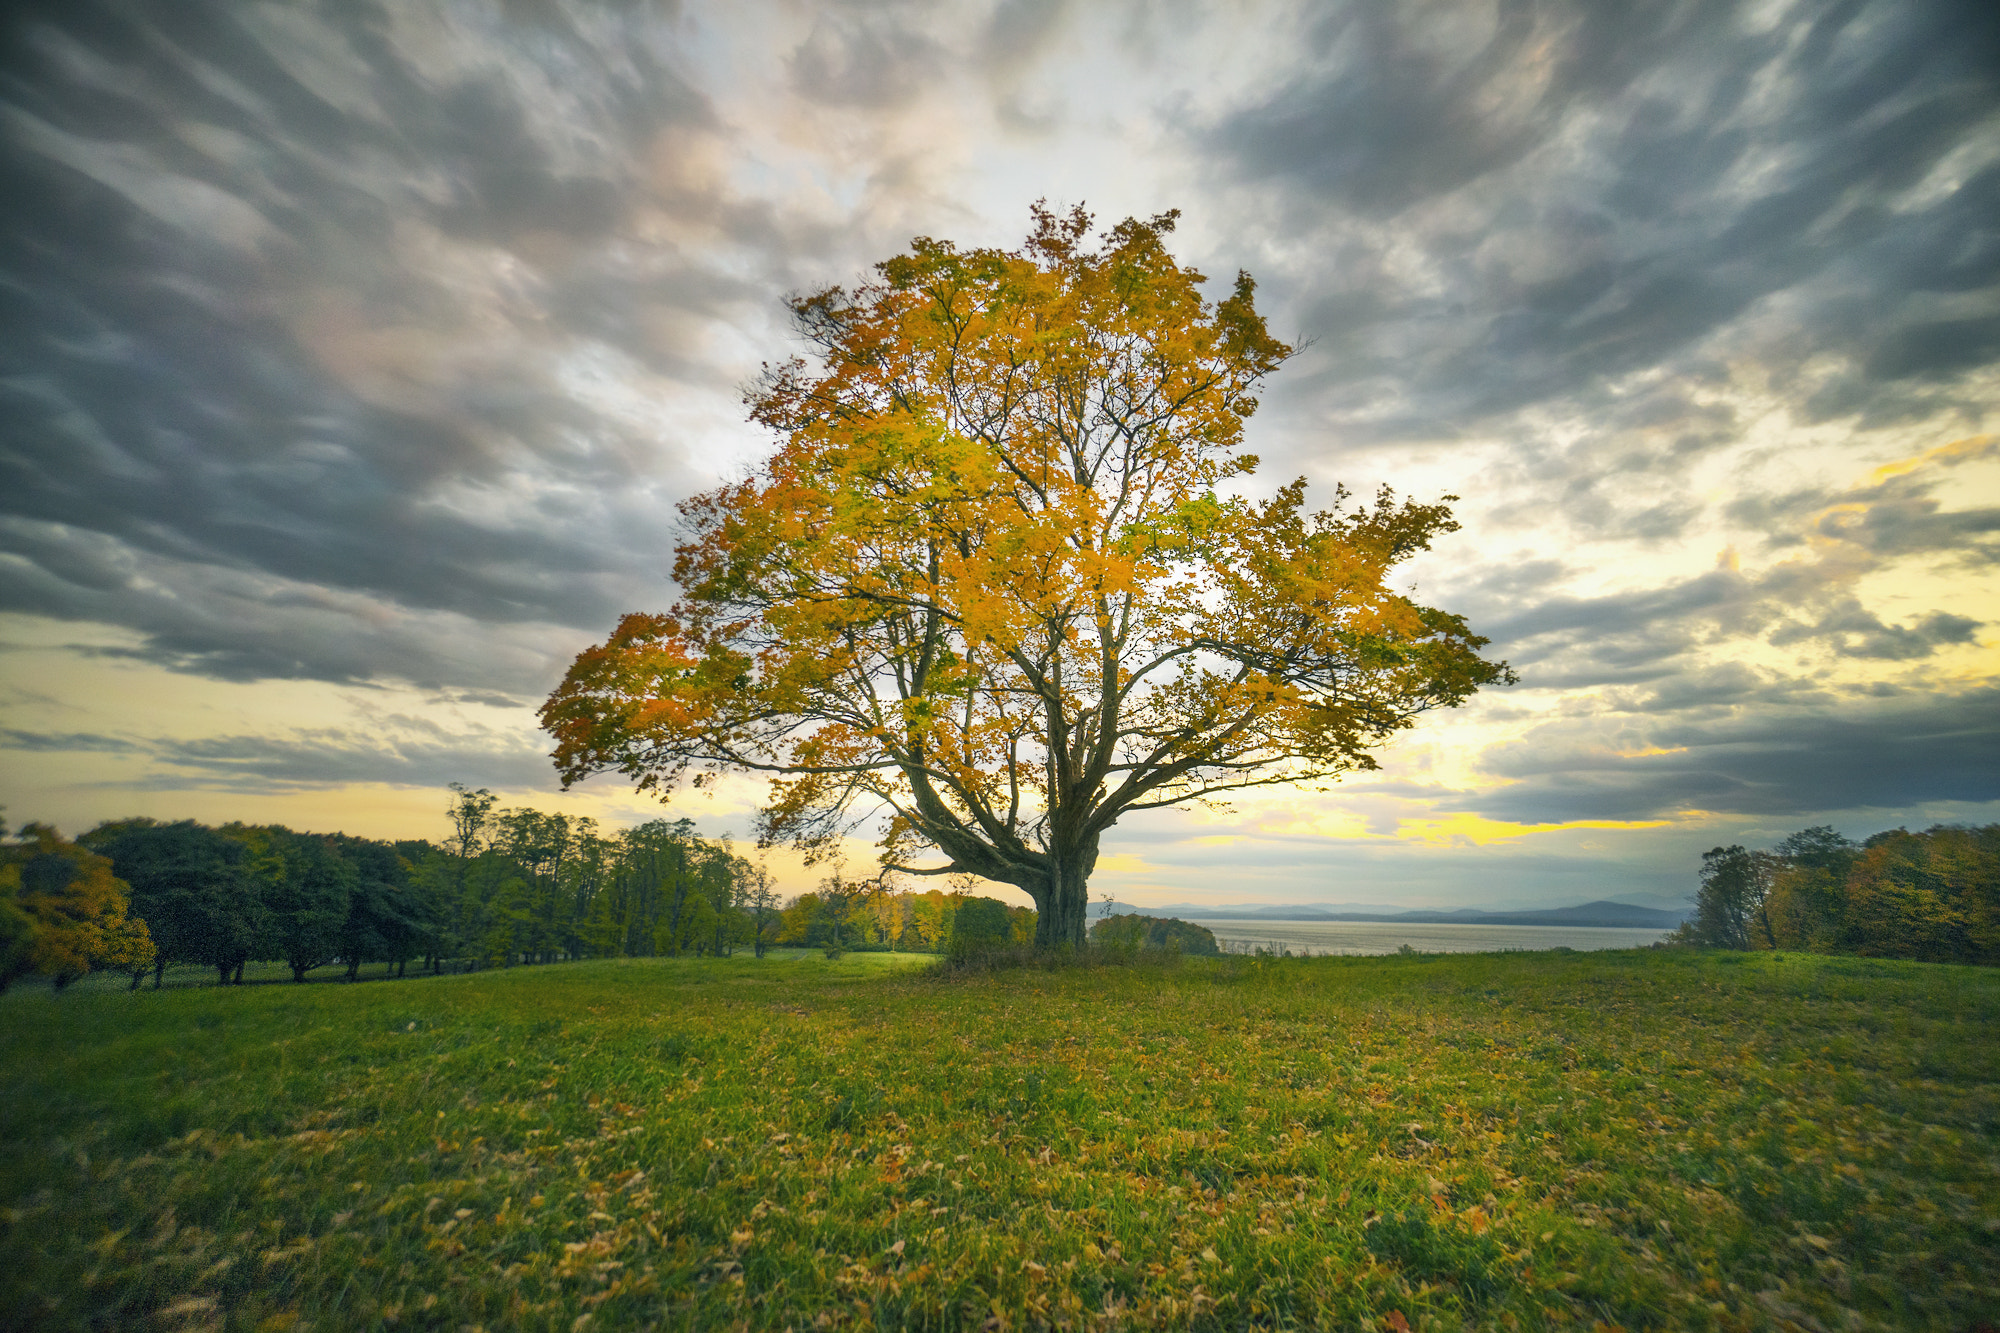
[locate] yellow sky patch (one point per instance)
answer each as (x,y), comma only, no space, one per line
(1479,830)
(1958,451)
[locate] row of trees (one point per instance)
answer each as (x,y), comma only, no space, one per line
(1933,895)
(507,886)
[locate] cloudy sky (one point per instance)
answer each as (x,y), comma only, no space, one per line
(353,356)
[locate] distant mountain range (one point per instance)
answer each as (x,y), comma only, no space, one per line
(1600,913)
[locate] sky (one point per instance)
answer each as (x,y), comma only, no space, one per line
(354,356)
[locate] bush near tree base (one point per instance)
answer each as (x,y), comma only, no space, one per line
(1135,931)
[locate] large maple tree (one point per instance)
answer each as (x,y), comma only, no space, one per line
(991,590)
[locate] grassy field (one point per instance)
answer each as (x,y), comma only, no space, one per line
(1639,1140)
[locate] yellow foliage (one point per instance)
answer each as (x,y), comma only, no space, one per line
(990,585)
(62,912)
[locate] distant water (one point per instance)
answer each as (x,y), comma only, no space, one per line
(1376,937)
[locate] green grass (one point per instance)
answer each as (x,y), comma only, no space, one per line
(1647,1140)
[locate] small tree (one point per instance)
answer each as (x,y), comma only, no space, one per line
(930,917)
(384,921)
(762,906)
(843,905)
(304,888)
(991,588)
(1734,882)
(1807,905)
(62,911)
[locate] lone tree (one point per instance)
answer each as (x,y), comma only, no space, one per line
(987,590)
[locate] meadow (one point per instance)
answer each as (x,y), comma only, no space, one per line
(1643,1139)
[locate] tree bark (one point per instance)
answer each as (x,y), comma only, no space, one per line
(1065,894)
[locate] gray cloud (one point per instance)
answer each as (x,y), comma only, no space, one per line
(1508,210)
(864,56)
(1899,516)
(63,742)
(396,750)
(334,758)
(1855,631)
(241,623)
(1779,761)
(1807,597)
(282,296)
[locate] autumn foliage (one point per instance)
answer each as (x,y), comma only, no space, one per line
(993,589)
(1932,896)
(62,911)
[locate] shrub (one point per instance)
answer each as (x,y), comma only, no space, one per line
(981,925)
(1132,931)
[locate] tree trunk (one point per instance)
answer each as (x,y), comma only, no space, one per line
(237,980)
(222,974)
(159,971)
(1059,920)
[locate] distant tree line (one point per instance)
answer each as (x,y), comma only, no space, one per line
(506,887)
(1933,896)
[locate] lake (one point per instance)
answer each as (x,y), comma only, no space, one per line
(1374,937)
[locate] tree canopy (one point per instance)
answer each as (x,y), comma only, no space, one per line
(63,912)
(992,588)
(1933,895)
